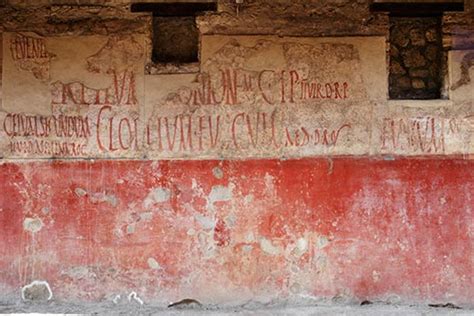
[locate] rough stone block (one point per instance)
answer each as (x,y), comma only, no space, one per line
(37,291)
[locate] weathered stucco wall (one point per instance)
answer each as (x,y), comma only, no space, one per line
(255,97)
(296,176)
(230,232)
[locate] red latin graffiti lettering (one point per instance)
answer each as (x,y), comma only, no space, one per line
(282,81)
(301,137)
(180,133)
(16,124)
(254,130)
(125,124)
(328,137)
(28,48)
(122,92)
(229,86)
(261,85)
(247,82)
(99,126)
(420,134)
(121,131)
(293,81)
(47,148)
(271,85)
(240,116)
(302,89)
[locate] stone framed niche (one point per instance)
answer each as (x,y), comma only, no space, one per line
(417,59)
(175,36)
(175,40)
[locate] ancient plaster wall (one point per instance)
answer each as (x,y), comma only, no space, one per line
(230,232)
(297,176)
(255,97)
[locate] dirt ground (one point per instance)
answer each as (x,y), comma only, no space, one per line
(55,307)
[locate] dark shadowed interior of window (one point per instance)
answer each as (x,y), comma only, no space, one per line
(175,39)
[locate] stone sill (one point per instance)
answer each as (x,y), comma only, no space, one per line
(421,103)
(171,68)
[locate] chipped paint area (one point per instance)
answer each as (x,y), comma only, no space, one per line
(370,229)
(157,195)
(205,222)
(220,193)
(32,225)
(153,264)
(103,197)
(268,247)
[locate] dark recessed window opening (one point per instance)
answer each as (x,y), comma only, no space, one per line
(416,58)
(175,39)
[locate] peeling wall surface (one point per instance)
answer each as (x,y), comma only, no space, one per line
(279,169)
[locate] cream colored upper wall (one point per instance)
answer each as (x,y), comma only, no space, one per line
(255,97)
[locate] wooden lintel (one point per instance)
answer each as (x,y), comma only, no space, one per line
(417,7)
(174,8)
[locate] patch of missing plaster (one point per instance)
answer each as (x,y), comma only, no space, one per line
(295,288)
(220,193)
(218,173)
(207,244)
(130,229)
(269,248)
(147,216)
(301,246)
(247,248)
(206,222)
(80,192)
(37,291)
(250,237)
(442,200)
(321,261)
(231,220)
(158,195)
(269,185)
(32,225)
(102,197)
(248,199)
(119,54)
(322,242)
(153,264)
(375,276)
(466,64)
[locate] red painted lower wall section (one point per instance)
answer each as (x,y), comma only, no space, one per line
(231,231)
